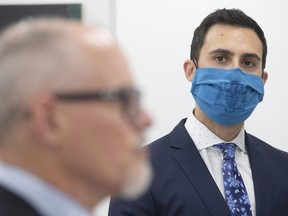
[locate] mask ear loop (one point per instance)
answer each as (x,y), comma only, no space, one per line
(195,63)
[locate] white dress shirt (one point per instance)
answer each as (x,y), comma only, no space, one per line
(46,199)
(204,140)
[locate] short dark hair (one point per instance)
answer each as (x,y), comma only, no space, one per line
(234,17)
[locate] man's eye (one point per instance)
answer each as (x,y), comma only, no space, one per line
(221,58)
(248,63)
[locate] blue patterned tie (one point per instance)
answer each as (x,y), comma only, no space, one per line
(235,192)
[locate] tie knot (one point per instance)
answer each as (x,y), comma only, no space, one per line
(228,150)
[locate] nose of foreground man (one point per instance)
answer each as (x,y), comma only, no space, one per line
(143,120)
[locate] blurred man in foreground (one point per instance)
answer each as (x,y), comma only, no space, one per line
(70,120)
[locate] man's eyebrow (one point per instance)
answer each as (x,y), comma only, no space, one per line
(221,51)
(251,55)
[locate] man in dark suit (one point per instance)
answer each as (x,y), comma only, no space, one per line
(209,165)
(70,133)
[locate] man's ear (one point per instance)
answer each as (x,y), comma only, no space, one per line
(189,69)
(43,118)
(265,76)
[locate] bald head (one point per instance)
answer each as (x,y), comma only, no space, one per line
(54,55)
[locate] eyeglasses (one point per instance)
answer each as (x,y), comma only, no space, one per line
(128,97)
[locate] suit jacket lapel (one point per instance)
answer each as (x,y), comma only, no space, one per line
(11,204)
(192,164)
(261,178)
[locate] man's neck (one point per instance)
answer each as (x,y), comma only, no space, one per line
(226,133)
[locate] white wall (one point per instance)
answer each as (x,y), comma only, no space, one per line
(157,35)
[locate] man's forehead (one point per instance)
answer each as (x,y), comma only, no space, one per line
(231,36)
(223,30)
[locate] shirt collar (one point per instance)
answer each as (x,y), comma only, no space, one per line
(204,138)
(46,199)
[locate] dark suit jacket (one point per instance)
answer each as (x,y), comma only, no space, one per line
(183,186)
(12,205)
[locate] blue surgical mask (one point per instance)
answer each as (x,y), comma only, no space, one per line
(227,96)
